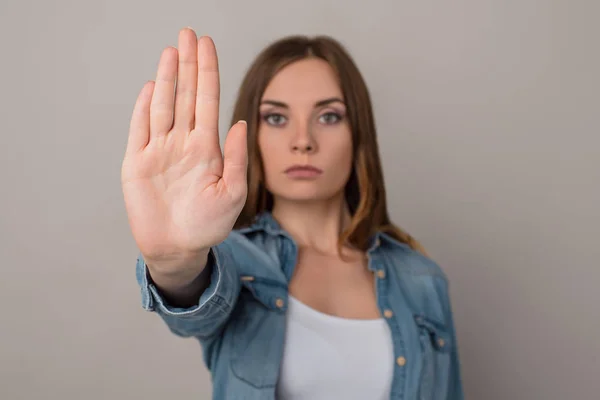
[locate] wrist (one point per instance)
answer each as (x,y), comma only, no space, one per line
(178,271)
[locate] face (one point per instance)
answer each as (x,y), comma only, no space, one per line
(304,136)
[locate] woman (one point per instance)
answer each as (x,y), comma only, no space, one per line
(279,256)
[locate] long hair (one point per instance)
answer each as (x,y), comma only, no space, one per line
(364,191)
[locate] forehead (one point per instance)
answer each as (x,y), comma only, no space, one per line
(304,82)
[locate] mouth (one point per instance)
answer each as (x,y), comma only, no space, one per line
(303,172)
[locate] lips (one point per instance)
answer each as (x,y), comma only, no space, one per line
(305,168)
(303,172)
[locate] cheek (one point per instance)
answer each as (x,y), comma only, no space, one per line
(340,151)
(336,153)
(345,165)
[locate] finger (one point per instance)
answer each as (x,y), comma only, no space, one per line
(161,108)
(139,126)
(235,160)
(207,97)
(187,76)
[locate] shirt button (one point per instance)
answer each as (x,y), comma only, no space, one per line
(388,314)
(441,342)
(381,274)
(279,303)
(401,361)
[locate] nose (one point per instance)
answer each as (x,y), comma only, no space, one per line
(303,141)
(303,148)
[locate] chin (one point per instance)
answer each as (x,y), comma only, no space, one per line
(306,193)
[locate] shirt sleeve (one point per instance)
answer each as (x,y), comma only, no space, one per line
(209,315)
(455,387)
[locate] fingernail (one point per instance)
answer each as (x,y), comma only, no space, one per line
(241,121)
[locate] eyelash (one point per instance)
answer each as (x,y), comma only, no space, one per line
(337,116)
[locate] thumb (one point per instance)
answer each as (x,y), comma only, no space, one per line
(235,158)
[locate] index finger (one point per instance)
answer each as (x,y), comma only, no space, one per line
(207,94)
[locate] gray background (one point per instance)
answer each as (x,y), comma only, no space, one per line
(488,122)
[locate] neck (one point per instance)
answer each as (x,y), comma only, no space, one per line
(314,224)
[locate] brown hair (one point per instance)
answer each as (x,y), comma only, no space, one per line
(365,192)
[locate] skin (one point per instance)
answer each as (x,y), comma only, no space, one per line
(299,131)
(303,121)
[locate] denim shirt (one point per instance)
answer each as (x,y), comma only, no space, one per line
(240,319)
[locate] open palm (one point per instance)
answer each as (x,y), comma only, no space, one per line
(181,194)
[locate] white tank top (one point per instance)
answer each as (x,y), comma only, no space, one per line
(327,357)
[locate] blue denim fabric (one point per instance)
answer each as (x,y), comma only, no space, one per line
(240,319)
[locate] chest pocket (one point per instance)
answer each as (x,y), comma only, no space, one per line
(435,352)
(256,344)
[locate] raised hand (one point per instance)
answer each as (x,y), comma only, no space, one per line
(181,195)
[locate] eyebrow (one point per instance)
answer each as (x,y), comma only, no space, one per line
(319,103)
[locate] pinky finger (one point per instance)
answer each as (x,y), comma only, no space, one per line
(139,128)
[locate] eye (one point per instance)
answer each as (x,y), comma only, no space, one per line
(274,119)
(330,118)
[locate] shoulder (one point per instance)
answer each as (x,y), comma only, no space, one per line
(406,260)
